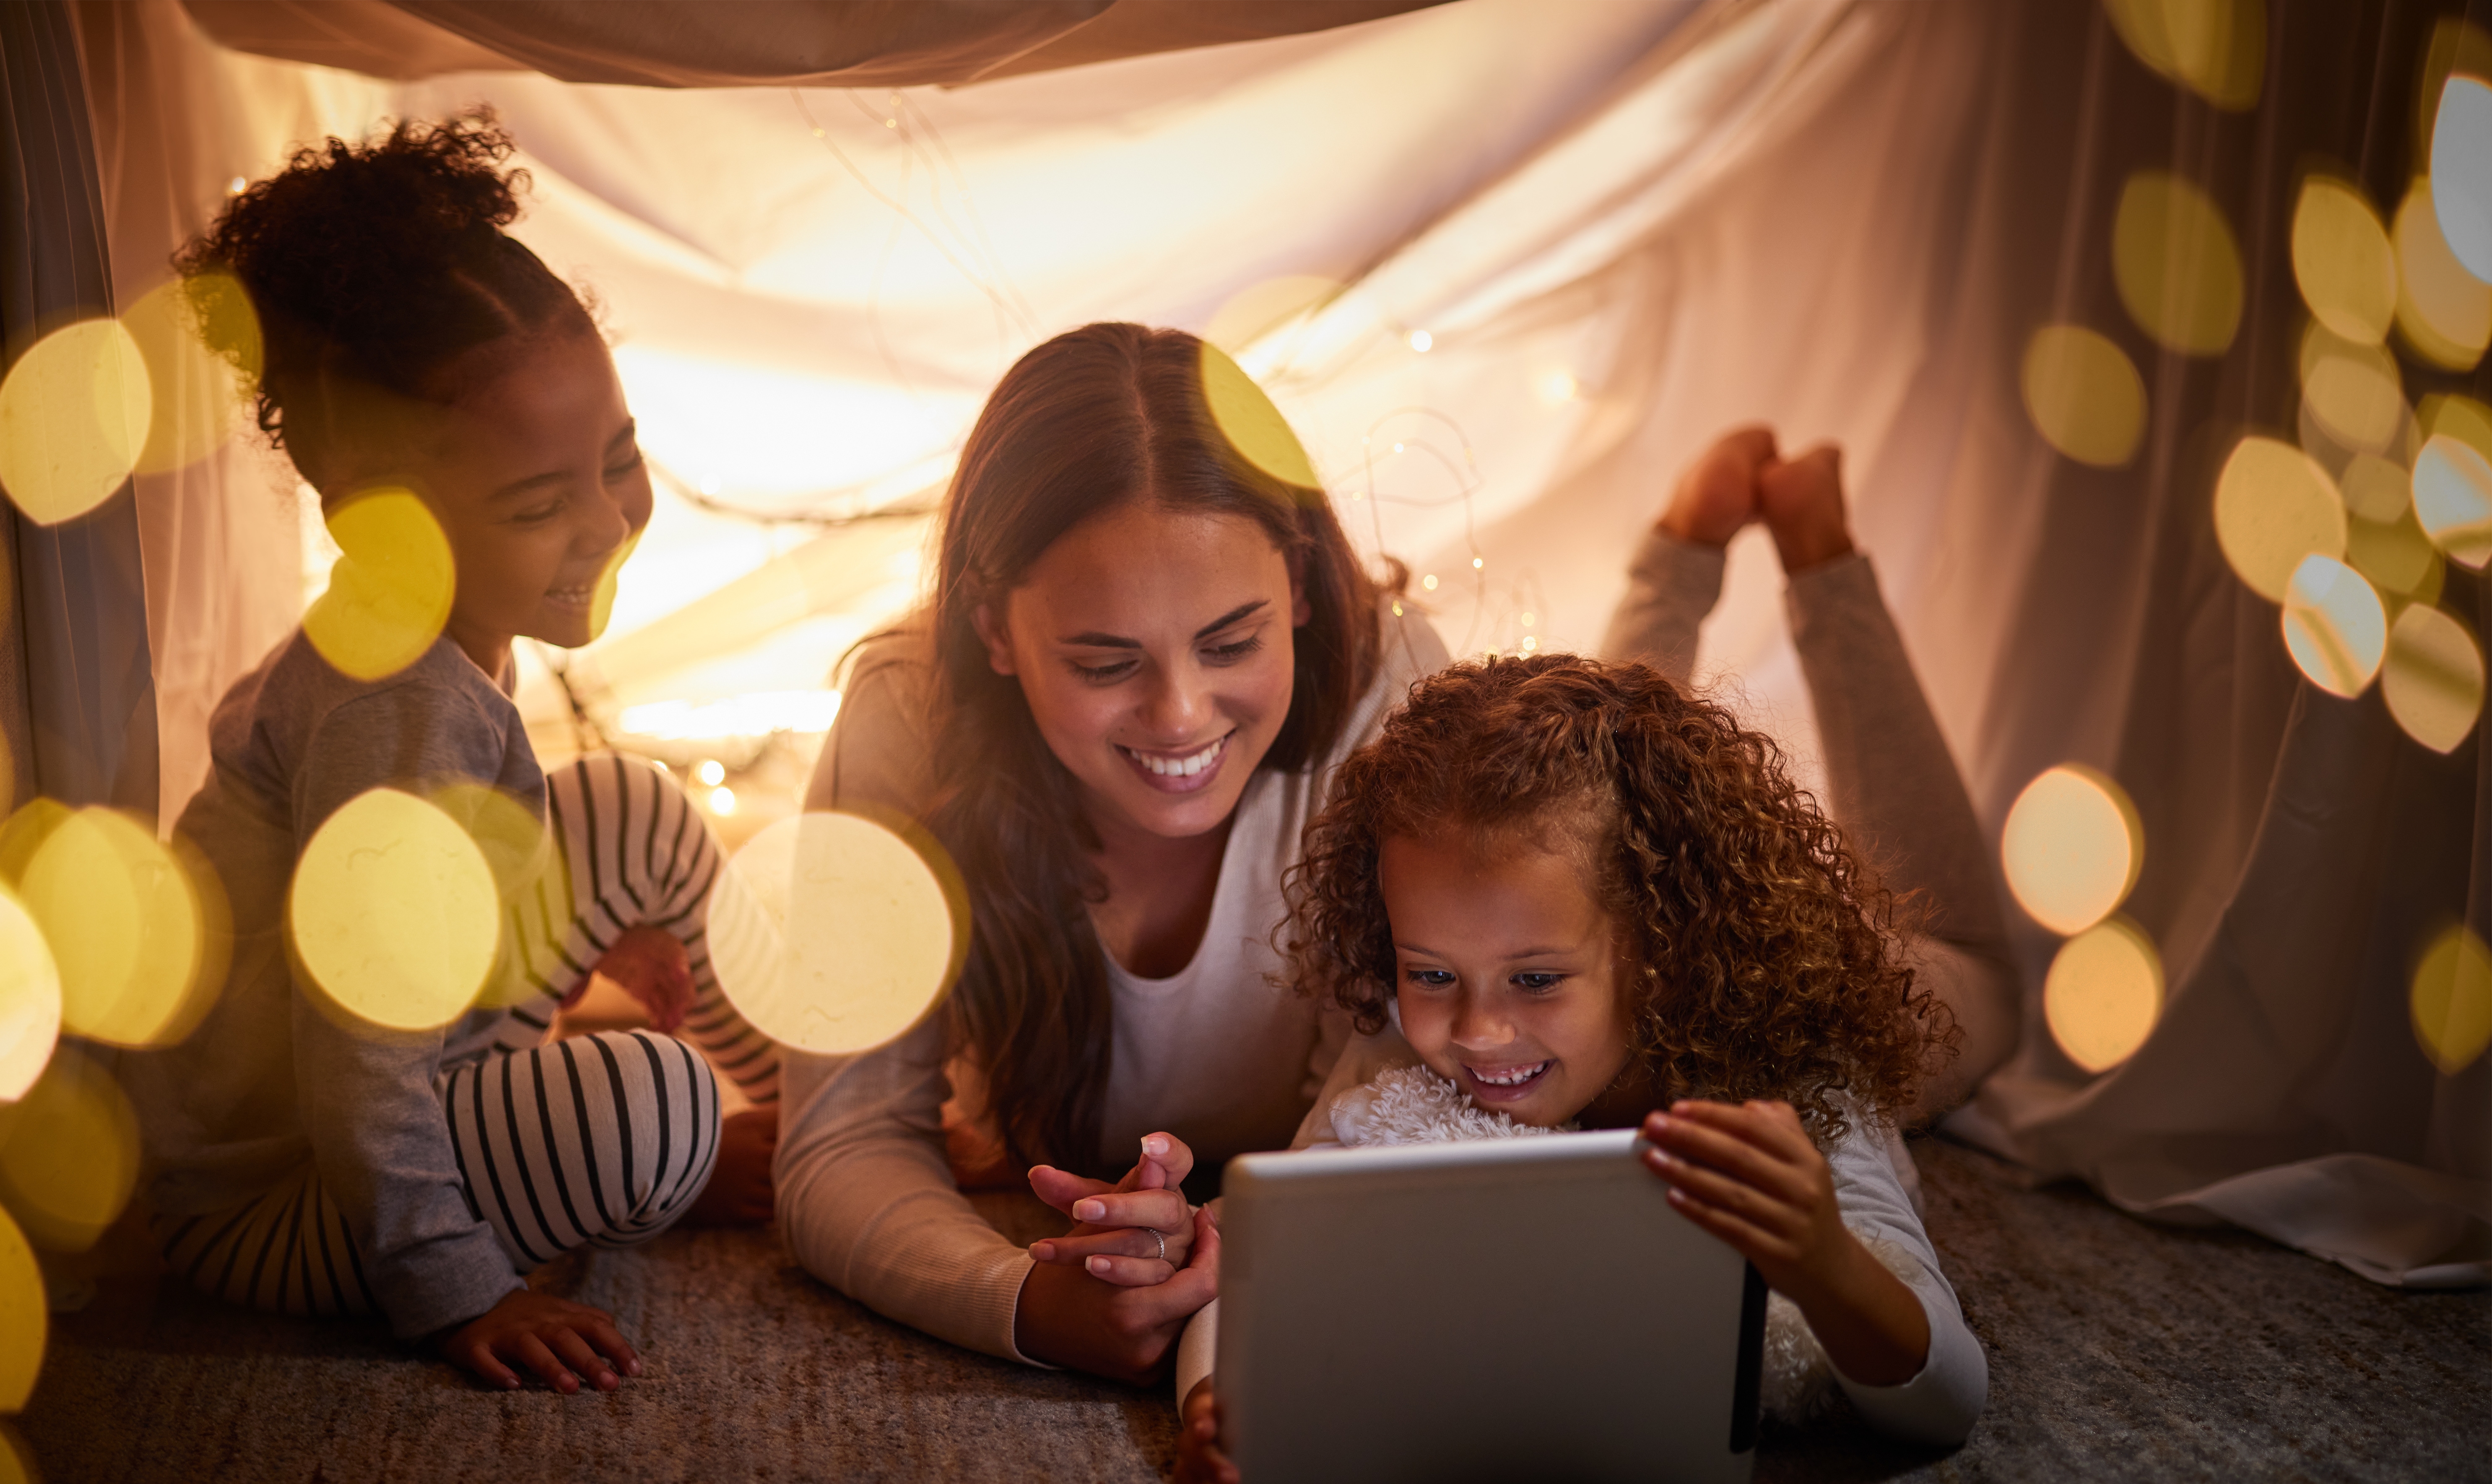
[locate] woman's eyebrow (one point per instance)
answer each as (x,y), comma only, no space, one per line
(1093,639)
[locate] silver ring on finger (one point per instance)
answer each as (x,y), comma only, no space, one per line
(1160,1238)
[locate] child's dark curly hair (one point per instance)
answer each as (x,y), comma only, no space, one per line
(373,267)
(1763,961)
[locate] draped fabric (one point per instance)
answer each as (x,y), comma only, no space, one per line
(1507,267)
(77,703)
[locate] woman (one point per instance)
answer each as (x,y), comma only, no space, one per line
(1148,645)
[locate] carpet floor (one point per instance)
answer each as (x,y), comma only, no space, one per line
(2117,1350)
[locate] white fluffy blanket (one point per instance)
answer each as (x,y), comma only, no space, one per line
(1413,1105)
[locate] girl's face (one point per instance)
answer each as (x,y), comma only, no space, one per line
(1154,649)
(538,479)
(1506,974)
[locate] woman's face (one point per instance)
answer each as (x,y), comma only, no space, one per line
(1506,974)
(537,477)
(1154,649)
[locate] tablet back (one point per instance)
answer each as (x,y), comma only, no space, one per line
(1518,1308)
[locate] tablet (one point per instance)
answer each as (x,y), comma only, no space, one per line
(1505,1309)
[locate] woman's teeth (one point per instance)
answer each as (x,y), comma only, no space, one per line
(1177,767)
(1512,1077)
(576,597)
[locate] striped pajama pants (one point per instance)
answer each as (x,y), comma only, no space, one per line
(600,1140)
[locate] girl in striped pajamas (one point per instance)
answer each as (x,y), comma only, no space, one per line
(306,1159)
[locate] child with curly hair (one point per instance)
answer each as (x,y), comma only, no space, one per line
(1558,893)
(307,1161)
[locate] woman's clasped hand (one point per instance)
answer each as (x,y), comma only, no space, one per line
(1113,1294)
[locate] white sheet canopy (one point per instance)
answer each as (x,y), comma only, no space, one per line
(1506,265)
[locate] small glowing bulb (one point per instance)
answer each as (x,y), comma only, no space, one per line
(709,484)
(1397,448)
(1397,611)
(1530,643)
(710,771)
(1556,387)
(722,802)
(891,123)
(1429,582)
(1421,340)
(1526,621)
(1478,562)
(237,185)
(817,134)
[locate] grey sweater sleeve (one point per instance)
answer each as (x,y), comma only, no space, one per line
(1672,584)
(378,1138)
(1941,1403)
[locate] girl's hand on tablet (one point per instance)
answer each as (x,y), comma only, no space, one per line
(650,966)
(1751,1176)
(561,1341)
(1113,1239)
(1067,1317)
(1199,1459)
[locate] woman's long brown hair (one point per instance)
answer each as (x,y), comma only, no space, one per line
(1089,421)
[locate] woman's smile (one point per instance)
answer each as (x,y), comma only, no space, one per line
(1179,772)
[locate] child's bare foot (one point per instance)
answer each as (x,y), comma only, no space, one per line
(1717,494)
(739,1192)
(1801,501)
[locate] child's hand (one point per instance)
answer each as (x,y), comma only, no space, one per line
(561,1341)
(1717,494)
(651,967)
(1114,1241)
(1199,1459)
(1751,1176)
(1801,501)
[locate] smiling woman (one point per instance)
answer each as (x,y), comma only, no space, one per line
(1144,655)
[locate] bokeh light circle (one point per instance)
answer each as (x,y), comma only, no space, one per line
(2343,262)
(1261,309)
(2274,505)
(2396,557)
(30,1000)
(833,935)
(2175,264)
(2450,1000)
(2445,311)
(2433,679)
(2084,395)
(2072,847)
(69,1154)
(2336,627)
(200,394)
(2461,173)
(126,924)
(2215,49)
(395,912)
(2103,995)
(25,1320)
(74,412)
(391,590)
(1253,426)
(519,849)
(2352,390)
(2376,488)
(2452,500)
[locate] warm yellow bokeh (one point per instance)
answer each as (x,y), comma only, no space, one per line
(2461,173)
(127,927)
(395,912)
(2352,390)
(601,603)
(2447,414)
(2215,49)
(832,934)
(2433,680)
(2084,395)
(2397,557)
(74,416)
(2452,500)
(16,1459)
(2336,627)
(2443,312)
(2175,264)
(1261,309)
(1246,417)
(2072,847)
(519,849)
(2452,999)
(25,1320)
(199,395)
(30,1000)
(2376,490)
(2343,262)
(69,1154)
(2103,993)
(390,593)
(2274,505)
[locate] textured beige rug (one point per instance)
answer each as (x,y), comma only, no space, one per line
(2117,1350)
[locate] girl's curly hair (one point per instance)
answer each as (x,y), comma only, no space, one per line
(1761,958)
(372,267)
